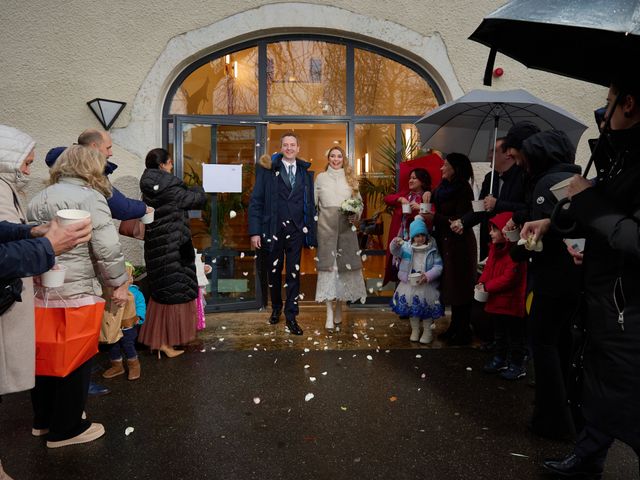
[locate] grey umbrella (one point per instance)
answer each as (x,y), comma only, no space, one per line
(583,39)
(471,124)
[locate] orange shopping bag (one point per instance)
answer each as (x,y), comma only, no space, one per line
(66,333)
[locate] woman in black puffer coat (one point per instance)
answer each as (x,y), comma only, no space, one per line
(169,256)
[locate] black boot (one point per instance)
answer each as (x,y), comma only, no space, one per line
(275,316)
(293,326)
(574,466)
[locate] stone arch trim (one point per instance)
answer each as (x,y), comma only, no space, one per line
(144,130)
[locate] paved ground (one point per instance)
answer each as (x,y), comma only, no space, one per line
(232,409)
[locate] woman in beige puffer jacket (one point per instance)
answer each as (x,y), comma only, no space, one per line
(77,182)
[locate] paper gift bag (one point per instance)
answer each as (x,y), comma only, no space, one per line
(116,317)
(66,333)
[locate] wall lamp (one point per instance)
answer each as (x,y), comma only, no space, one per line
(107,111)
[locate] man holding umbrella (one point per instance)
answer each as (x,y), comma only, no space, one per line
(505,195)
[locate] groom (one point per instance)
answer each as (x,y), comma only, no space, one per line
(282,220)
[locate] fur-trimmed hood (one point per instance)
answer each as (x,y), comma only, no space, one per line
(275,160)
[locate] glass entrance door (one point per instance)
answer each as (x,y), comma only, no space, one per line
(219,231)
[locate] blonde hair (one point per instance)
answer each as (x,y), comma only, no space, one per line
(349,174)
(84,163)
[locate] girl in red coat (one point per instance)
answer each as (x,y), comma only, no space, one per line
(505,282)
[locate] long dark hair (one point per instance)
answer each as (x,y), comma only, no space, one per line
(423,176)
(462,170)
(156,157)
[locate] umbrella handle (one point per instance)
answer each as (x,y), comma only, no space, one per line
(488,71)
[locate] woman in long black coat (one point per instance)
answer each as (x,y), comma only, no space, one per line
(609,215)
(452,199)
(169,256)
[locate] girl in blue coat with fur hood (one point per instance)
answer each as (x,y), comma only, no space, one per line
(417,296)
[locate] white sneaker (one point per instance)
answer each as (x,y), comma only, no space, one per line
(95,430)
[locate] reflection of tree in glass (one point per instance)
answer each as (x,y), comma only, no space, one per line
(308,78)
(386,87)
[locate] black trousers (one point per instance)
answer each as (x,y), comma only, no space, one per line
(594,444)
(286,250)
(58,403)
(551,343)
(508,332)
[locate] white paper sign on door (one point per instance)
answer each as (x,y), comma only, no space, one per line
(222,178)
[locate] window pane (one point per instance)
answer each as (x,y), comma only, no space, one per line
(386,87)
(306,78)
(224,86)
(375,164)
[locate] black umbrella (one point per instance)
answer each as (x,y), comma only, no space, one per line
(583,39)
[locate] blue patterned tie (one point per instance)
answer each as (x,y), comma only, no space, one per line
(292,176)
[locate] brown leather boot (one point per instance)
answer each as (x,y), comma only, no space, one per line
(117,368)
(133,365)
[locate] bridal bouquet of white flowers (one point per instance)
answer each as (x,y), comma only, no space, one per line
(351,206)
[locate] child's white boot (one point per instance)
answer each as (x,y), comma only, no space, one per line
(329,323)
(415,329)
(337,317)
(426,333)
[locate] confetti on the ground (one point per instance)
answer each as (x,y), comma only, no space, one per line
(245,273)
(308,396)
(312,379)
(469,369)
(128,431)
(232,214)
(518,455)
(369,357)
(343,408)
(392,325)
(324,373)
(306,366)
(371,290)
(393,398)
(256,400)
(379,284)
(355,335)
(241,254)
(424,375)
(250,356)
(305,230)
(306,350)
(418,356)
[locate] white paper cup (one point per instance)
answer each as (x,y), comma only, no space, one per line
(478,205)
(512,235)
(480,295)
(147,218)
(406,208)
(559,190)
(54,277)
(425,207)
(69,216)
(576,243)
(414,278)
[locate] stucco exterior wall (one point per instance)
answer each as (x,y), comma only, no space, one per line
(55,56)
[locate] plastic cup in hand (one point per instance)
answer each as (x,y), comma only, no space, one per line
(576,243)
(414,278)
(147,218)
(54,277)
(406,208)
(559,190)
(512,235)
(480,295)
(425,207)
(69,216)
(478,205)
